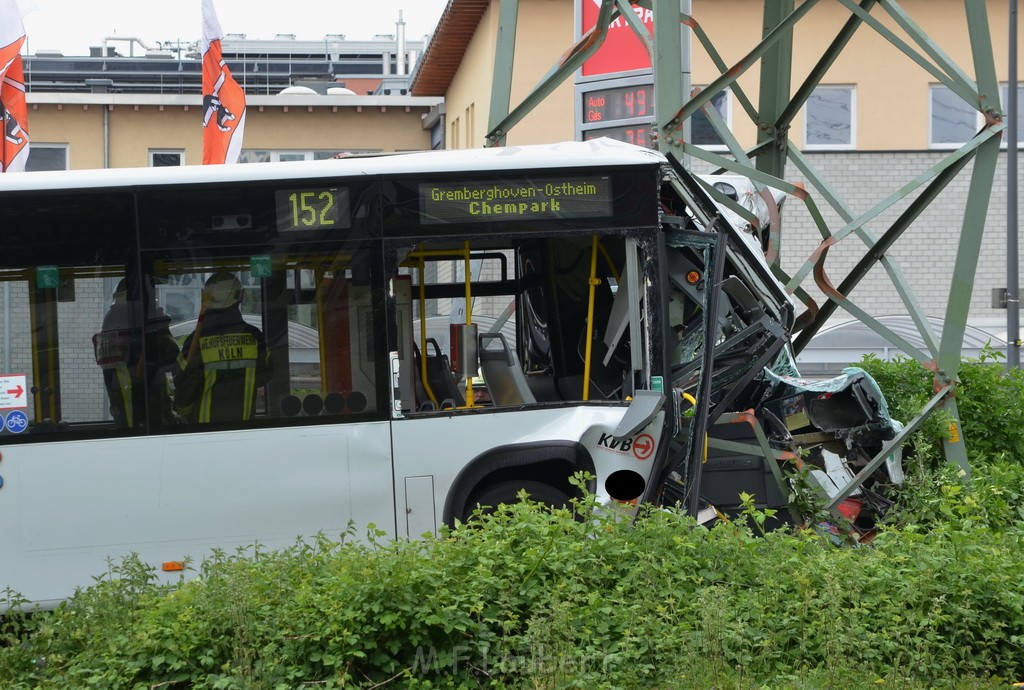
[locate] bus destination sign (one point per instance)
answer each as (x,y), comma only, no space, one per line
(524,199)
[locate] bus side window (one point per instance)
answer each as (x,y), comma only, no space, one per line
(327,351)
(556,275)
(348,339)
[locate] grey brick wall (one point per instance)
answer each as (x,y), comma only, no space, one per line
(926,253)
(81,380)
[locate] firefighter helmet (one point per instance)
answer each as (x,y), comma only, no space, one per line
(222,290)
(121,291)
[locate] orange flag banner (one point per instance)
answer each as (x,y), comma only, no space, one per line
(13,112)
(223,98)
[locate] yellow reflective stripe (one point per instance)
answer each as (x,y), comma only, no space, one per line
(228,347)
(125,381)
(250,392)
(229,364)
(206,402)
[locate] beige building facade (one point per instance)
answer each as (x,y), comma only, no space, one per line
(126,130)
(891,95)
(458,64)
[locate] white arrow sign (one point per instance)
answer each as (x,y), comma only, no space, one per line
(13,391)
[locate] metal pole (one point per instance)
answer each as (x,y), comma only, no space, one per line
(504,59)
(1012,254)
(671,73)
(776,75)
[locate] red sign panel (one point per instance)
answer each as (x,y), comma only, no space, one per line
(622,50)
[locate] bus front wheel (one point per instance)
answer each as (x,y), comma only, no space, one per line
(508,493)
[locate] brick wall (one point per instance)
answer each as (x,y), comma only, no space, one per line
(926,252)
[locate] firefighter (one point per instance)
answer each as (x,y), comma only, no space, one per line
(131,375)
(226,359)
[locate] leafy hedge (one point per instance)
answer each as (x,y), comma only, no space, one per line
(533,598)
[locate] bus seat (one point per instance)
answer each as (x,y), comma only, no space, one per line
(439,376)
(423,402)
(542,385)
(505,379)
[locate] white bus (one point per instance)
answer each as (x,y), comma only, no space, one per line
(576,272)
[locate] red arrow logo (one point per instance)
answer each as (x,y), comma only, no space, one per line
(643,446)
(16,392)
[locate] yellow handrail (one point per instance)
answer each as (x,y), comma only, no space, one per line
(423,333)
(593,282)
(469,320)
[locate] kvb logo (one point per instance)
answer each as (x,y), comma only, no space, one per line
(642,446)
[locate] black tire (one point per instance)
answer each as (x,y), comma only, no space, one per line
(508,493)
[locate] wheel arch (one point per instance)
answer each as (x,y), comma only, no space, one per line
(554,462)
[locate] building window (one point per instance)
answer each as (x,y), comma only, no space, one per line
(829,118)
(952,121)
(1005,92)
(265,156)
(470,125)
(701,132)
(454,143)
(47,157)
(167,158)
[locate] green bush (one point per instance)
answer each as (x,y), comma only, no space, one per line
(530,597)
(992,422)
(988,398)
(993,498)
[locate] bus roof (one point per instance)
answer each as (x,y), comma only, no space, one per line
(573,154)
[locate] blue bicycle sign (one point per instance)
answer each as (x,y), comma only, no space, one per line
(17,422)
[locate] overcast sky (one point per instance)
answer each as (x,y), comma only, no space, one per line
(74,25)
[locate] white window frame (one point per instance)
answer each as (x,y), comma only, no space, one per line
(159,152)
(41,145)
(727,116)
(947,146)
(852,145)
(290,155)
(274,155)
(1004,99)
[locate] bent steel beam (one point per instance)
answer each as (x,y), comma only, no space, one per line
(890,445)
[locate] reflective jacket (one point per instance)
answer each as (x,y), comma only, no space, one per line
(118,348)
(226,360)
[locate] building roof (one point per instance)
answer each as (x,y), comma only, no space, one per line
(443,55)
(842,344)
(261,67)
